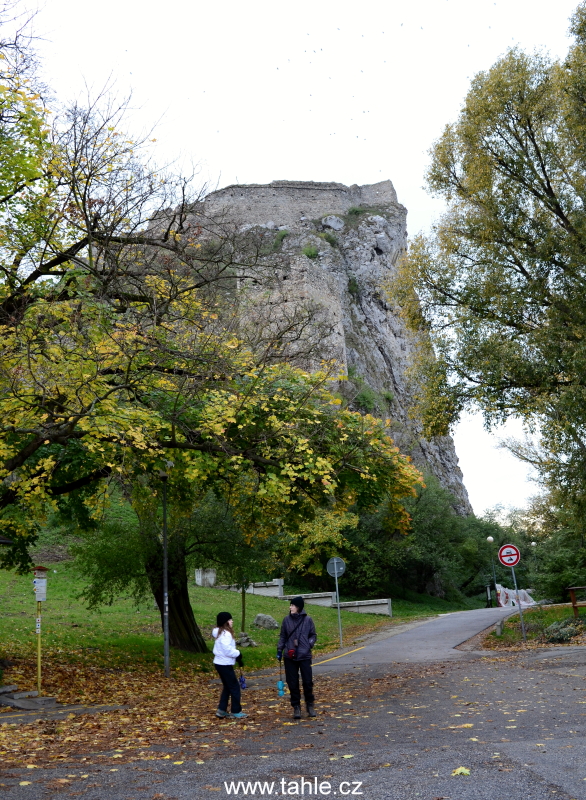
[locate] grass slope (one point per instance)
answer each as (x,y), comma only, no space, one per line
(124,636)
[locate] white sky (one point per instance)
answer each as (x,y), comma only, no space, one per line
(329,91)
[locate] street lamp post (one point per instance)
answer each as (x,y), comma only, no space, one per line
(164,477)
(490,539)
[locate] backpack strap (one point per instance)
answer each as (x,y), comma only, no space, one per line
(293,631)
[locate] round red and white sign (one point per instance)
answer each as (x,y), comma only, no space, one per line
(509,555)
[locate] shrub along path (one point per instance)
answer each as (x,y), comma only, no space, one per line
(539,631)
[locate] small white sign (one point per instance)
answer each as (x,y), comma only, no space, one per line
(38,625)
(40,589)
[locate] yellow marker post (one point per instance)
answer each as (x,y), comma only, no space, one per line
(38,632)
(40,590)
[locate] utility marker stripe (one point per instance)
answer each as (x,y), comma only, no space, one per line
(333,658)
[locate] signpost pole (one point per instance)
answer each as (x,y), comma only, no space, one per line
(494,579)
(336,567)
(338,602)
(519,604)
(38,628)
(165,584)
(40,590)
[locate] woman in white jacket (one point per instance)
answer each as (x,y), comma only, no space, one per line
(225,655)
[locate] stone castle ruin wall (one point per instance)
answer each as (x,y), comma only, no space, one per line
(356,235)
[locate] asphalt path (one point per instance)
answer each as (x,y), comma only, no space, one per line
(434,640)
(419,710)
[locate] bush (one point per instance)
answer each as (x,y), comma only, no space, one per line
(279,240)
(311,251)
(329,238)
(564,630)
(366,399)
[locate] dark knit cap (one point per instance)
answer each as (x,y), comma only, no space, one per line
(223,618)
(299,602)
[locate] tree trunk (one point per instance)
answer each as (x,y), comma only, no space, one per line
(184,632)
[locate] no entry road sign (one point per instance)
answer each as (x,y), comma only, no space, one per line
(509,555)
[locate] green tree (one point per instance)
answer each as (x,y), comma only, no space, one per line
(132,328)
(497,287)
(121,554)
(443,553)
(278,450)
(557,559)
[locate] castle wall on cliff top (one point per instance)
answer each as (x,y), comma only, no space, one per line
(366,229)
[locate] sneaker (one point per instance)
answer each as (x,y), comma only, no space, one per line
(221,714)
(239,715)
(311,710)
(296,712)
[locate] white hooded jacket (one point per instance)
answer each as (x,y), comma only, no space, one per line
(225,651)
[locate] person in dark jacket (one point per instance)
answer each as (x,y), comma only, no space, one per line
(297,638)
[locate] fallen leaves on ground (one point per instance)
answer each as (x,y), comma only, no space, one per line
(160,717)
(461,771)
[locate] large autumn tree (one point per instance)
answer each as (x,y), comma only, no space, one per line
(135,329)
(278,452)
(498,285)
(114,286)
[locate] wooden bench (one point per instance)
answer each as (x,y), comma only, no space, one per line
(575,604)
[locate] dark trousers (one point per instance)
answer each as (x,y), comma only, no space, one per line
(231,688)
(292,670)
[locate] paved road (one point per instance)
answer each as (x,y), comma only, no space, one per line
(516,722)
(433,640)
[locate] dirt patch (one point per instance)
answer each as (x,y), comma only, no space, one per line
(154,630)
(52,554)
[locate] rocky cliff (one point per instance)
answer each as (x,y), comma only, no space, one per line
(338,246)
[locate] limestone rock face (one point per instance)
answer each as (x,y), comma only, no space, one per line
(354,236)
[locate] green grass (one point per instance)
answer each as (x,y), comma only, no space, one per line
(278,241)
(310,251)
(122,635)
(423,605)
(329,238)
(355,214)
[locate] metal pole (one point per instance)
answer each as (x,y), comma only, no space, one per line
(519,604)
(496,600)
(338,602)
(165,583)
(39,607)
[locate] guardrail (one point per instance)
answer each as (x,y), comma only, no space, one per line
(368,606)
(274,588)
